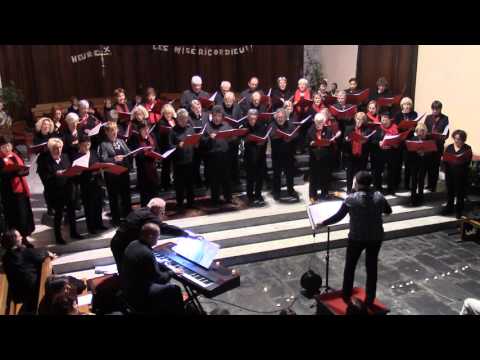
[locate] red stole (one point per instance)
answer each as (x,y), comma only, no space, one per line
(297,97)
(19,183)
(318,108)
(392,130)
(152,117)
(357,145)
(372,118)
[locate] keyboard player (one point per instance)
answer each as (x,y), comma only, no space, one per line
(145,282)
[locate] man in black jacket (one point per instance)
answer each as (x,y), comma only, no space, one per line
(144,281)
(23,269)
(130,229)
(183,170)
(193,93)
(365,208)
(218,157)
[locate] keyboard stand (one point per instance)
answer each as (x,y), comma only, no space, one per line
(193,298)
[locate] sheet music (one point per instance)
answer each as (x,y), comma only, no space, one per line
(82,161)
(84,299)
(108,269)
(168,152)
(322,211)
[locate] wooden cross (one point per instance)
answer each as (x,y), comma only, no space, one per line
(104,51)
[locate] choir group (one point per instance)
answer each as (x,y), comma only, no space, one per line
(82,149)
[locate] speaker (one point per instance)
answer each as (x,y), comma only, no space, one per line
(311,282)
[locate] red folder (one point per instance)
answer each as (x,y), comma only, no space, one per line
(304,102)
(421,146)
(124,116)
(373,125)
(394,140)
(359,97)
(265,99)
(330,100)
(265,116)
(194,138)
(157,156)
(163,129)
(457,159)
(303,121)
(284,135)
(258,139)
(207,103)
(137,151)
(322,142)
(109,167)
(14,168)
(227,134)
(438,136)
(358,138)
(74,171)
(407,124)
(232,121)
(36,149)
(383,101)
(348,113)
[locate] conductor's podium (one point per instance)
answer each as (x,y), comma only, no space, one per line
(333,303)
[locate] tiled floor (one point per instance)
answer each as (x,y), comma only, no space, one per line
(429,275)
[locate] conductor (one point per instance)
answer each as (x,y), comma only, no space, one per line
(365,207)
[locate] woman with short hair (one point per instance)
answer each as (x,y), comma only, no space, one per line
(59,187)
(456,173)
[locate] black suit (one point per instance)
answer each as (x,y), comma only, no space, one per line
(197,122)
(118,186)
(234,112)
(283,154)
(189,95)
(366,233)
(183,170)
(218,162)
(255,161)
(130,230)
(438,126)
(60,189)
(23,267)
(92,195)
(144,282)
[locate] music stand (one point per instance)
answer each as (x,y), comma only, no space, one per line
(326,287)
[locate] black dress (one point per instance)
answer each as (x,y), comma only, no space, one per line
(255,161)
(321,161)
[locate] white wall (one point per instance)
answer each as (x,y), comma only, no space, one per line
(339,62)
(450,73)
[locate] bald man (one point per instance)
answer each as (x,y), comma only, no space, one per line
(225,87)
(154,212)
(193,93)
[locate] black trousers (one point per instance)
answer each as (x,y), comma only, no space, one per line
(219,175)
(160,300)
(457,184)
(184,183)
(354,250)
(354,164)
(283,163)
(408,172)
(64,198)
(92,199)
(46,196)
(118,189)
(433,170)
(418,172)
(255,177)
(235,169)
(198,158)
(320,174)
(118,246)
(391,160)
(165,181)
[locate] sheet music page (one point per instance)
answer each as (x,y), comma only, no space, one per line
(322,211)
(82,161)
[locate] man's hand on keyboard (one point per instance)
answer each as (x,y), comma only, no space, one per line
(177,271)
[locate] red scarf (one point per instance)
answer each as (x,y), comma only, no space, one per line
(19,183)
(372,118)
(318,108)
(392,130)
(152,117)
(357,145)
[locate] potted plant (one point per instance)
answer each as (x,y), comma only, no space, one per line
(13,100)
(313,72)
